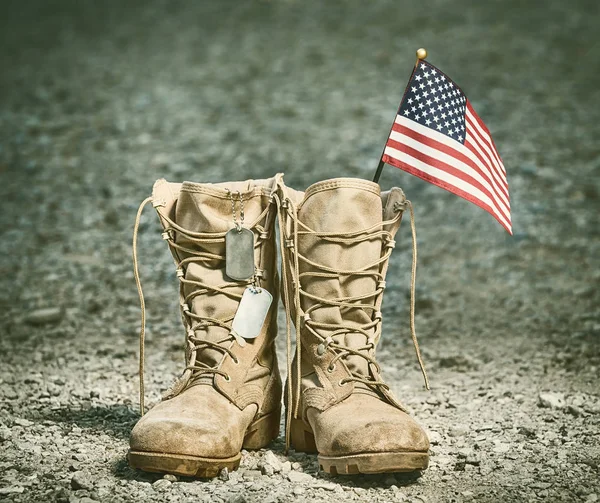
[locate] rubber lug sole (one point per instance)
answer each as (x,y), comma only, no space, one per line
(258,435)
(303,440)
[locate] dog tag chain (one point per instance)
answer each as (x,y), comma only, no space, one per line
(251,314)
(239,246)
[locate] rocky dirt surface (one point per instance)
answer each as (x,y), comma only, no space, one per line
(98,99)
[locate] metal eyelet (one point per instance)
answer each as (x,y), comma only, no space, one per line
(330,368)
(341,383)
(227,378)
(235,360)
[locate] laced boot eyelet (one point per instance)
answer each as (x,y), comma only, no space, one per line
(342,382)
(235,360)
(331,368)
(227,378)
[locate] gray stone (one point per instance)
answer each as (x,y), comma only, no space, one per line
(11,490)
(551,400)
(271,460)
(45,316)
(299,490)
(161,485)
(299,477)
(82,480)
(224,474)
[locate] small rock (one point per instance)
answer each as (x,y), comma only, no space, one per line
(252,474)
(435,438)
(457,431)
(550,400)
(299,477)
(81,480)
(298,490)
(224,474)
(170,477)
(161,485)
(328,486)
(286,467)
(238,498)
(501,448)
(271,460)
(591,498)
(23,422)
(266,469)
(45,316)
(12,490)
(575,411)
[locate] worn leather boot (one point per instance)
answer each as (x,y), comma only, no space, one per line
(229,396)
(337,238)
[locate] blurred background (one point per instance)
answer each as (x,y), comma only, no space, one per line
(99,99)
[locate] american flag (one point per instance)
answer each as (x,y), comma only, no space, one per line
(438,137)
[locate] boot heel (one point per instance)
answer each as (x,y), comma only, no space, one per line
(302,438)
(262,431)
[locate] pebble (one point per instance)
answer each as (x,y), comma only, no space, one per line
(551,400)
(161,484)
(81,480)
(23,422)
(45,316)
(224,474)
(12,490)
(286,467)
(457,431)
(271,460)
(435,438)
(299,477)
(170,477)
(298,490)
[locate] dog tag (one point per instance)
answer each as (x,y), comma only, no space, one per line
(251,313)
(239,254)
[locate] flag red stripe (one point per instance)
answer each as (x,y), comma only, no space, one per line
(486,139)
(485,152)
(488,135)
(430,142)
(475,147)
(444,185)
(432,161)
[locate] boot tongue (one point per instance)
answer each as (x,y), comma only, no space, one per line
(341,206)
(203,208)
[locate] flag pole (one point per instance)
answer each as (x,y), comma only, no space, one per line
(421,54)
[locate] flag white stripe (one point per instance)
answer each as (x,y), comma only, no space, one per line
(499,199)
(446,177)
(486,141)
(484,163)
(448,142)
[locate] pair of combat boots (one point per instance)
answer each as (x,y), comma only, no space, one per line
(335,241)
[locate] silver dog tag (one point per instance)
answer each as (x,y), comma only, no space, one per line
(239,254)
(251,313)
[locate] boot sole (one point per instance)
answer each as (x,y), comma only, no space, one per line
(258,435)
(303,440)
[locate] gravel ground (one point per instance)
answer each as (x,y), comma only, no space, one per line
(98,99)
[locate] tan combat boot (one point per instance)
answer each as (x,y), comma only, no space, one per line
(338,237)
(229,396)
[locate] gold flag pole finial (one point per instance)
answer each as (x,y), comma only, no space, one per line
(421,54)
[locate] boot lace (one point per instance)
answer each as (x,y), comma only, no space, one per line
(193,322)
(287,212)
